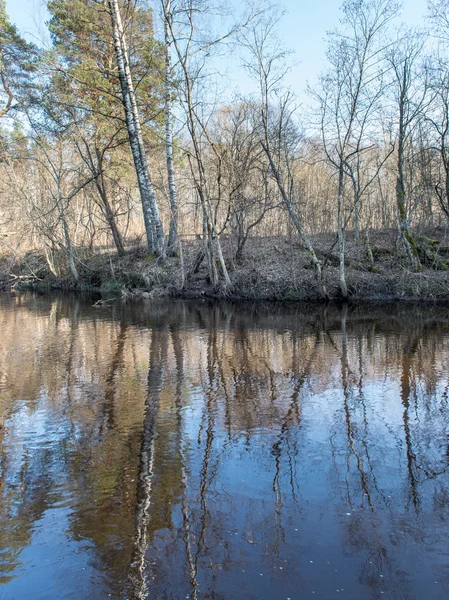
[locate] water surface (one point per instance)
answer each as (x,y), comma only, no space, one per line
(197,450)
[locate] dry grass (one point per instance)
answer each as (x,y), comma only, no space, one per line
(272,269)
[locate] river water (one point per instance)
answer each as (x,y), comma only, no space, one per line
(198,450)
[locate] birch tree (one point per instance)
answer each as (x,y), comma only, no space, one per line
(267,65)
(349,93)
(153,223)
(174,217)
(191,53)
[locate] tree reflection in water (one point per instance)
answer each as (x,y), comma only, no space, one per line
(199,450)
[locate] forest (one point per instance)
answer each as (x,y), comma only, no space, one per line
(124,167)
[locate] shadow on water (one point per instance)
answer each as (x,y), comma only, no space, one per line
(201,450)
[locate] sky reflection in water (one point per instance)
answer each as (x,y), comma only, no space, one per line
(174,450)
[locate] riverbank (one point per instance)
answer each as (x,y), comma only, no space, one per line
(271,269)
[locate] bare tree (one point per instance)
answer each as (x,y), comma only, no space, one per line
(95,159)
(410,95)
(191,54)
(61,182)
(242,190)
(438,12)
(268,67)
(438,117)
(349,94)
(438,113)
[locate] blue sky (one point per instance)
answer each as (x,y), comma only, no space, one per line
(302,29)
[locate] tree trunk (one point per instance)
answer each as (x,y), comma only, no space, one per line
(153,223)
(49,256)
(118,242)
(102,191)
(109,215)
(68,243)
(173,233)
(201,181)
(341,232)
(356,223)
(209,249)
(404,229)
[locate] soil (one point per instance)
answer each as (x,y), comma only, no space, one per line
(271,269)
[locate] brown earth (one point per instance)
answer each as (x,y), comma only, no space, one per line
(271,269)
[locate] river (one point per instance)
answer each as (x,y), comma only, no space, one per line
(172,450)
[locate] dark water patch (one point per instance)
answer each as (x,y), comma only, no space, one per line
(201,450)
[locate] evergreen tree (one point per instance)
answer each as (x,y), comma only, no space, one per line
(18,60)
(84,84)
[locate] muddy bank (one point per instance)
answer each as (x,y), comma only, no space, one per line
(271,269)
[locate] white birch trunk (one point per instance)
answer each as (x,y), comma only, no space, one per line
(153,223)
(201,182)
(158,357)
(173,233)
(341,233)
